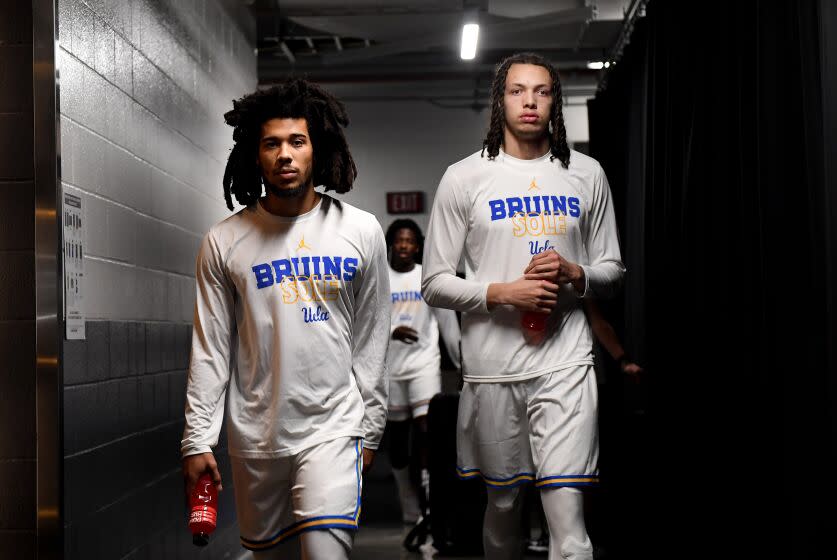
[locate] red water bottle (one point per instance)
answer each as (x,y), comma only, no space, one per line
(532,321)
(534,326)
(203,503)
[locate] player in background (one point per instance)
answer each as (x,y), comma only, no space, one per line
(535,226)
(607,337)
(291,329)
(413,363)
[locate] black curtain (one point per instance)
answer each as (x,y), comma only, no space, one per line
(617,121)
(828,62)
(711,132)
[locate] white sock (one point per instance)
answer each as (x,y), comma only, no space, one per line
(501,527)
(564,509)
(410,511)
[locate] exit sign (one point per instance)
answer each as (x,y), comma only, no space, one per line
(405,202)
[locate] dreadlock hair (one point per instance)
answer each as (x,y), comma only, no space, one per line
(557,136)
(404,223)
(326,117)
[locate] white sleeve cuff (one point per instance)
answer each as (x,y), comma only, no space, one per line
(197,450)
(586,282)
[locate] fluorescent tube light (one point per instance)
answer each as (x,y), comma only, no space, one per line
(470,33)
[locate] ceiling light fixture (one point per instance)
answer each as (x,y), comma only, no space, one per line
(470,34)
(595,65)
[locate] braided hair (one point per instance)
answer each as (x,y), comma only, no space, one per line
(558,135)
(326,117)
(405,223)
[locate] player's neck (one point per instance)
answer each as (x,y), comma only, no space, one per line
(525,148)
(293,206)
(402,266)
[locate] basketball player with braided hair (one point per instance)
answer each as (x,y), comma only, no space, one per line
(534,225)
(291,330)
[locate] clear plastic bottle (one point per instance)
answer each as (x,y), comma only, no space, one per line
(203,505)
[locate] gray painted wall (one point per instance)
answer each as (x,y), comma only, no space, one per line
(143,87)
(17,284)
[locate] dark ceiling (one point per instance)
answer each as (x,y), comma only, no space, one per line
(410,48)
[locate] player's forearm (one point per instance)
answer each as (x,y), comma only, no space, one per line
(369,370)
(604,333)
(374,430)
(604,270)
(503,293)
(450,332)
(204,416)
(447,290)
(372,331)
(372,439)
(206,387)
(373,385)
(209,365)
(602,279)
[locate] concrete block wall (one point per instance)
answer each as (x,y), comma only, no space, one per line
(123,403)
(143,87)
(17,285)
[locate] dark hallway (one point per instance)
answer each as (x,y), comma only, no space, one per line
(716,126)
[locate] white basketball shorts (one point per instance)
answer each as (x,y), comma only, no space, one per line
(542,430)
(279,498)
(411,397)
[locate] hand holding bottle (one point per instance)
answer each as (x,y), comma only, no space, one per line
(203,510)
(196,465)
(538,296)
(550,265)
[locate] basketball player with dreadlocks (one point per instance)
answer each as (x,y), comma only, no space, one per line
(535,224)
(291,330)
(413,364)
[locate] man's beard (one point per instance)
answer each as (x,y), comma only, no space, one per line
(530,134)
(285,193)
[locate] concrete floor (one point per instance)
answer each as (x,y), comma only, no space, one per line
(383,542)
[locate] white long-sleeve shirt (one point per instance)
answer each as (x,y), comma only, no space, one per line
(291,327)
(498,214)
(407,361)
